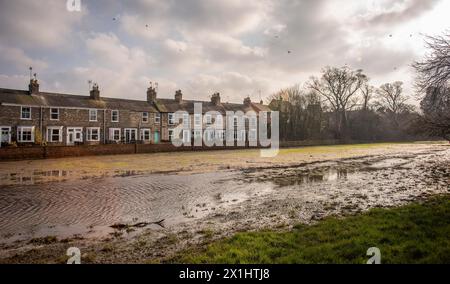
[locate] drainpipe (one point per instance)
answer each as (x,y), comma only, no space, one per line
(41,122)
(104,126)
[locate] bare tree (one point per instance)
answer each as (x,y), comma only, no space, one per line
(433,80)
(392,98)
(367,92)
(339,87)
(434,70)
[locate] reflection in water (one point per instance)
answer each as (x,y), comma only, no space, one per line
(33,177)
(289,178)
(38,209)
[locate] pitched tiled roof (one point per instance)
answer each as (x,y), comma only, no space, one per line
(43,99)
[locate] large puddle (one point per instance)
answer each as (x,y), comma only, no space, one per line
(88,207)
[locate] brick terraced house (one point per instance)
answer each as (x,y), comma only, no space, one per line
(40,118)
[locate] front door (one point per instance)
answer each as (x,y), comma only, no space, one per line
(156,138)
(130,135)
(74,135)
(5,134)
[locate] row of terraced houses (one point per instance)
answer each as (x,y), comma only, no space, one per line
(29,117)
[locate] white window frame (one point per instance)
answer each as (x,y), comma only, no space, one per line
(142,135)
(51,114)
(197,134)
(171,134)
(158,117)
(220,134)
(91,111)
(135,130)
(171,119)
(112,115)
(112,134)
(145,117)
(89,134)
(9,133)
(219,121)
(50,134)
(198,119)
(20,134)
(21,113)
(186,120)
(208,118)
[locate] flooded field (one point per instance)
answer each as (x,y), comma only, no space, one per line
(213,204)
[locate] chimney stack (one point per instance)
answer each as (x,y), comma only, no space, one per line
(95,92)
(247,101)
(215,99)
(151,94)
(33,87)
(178,96)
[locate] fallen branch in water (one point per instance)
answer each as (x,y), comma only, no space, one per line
(138,225)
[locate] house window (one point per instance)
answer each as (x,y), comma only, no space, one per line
(145,117)
(186,120)
(54,134)
(158,118)
(208,119)
(186,136)
(54,114)
(130,135)
(114,134)
(5,134)
(115,116)
(92,115)
(198,119)
(197,134)
(93,134)
(170,135)
(25,113)
(25,134)
(220,134)
(145,135)
(171,119)
(219,121)
(209,135)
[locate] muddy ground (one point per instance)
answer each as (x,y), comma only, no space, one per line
(201,203)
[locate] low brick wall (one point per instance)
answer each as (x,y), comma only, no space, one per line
(51,152)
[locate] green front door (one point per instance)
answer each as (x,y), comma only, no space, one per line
(156,138)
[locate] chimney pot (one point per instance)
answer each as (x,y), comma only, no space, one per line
(215,99)
(178,96)
(151,94)
(247,101)
(95,92)
(33,87)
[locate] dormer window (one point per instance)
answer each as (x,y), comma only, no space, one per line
(25,113)
(115,116)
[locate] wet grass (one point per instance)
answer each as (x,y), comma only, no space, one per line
(416,233)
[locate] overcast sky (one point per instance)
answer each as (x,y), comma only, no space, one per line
(237,48)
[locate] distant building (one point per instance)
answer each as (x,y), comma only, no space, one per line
(35,117)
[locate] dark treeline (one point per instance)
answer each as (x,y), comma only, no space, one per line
(342,104)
